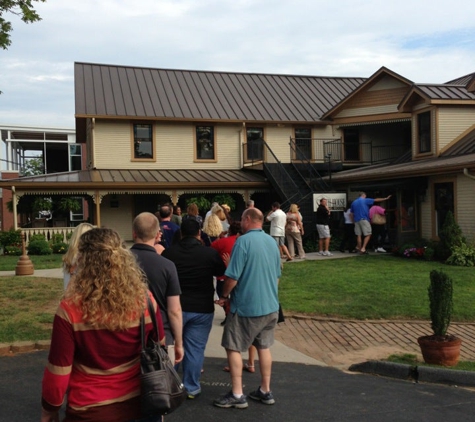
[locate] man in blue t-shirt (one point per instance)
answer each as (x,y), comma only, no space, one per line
(251,279)
(360,213)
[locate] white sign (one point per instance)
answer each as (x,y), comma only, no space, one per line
(335,201)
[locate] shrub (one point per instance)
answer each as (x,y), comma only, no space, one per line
(429,253)
(39,247)
(56,238)
(450,236)
(462,256)
(10,238)
(59,247)
(441,301)
(38,236)
(12,250)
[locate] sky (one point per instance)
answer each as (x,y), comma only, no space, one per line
(422,40)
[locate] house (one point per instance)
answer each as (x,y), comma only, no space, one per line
(156,135)
(55,147)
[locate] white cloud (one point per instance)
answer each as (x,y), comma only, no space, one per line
(345,38)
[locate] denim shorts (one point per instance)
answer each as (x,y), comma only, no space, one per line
(242,332)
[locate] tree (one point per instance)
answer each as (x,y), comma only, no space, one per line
(22,8)
(33,167)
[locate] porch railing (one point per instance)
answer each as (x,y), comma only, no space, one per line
(48,232)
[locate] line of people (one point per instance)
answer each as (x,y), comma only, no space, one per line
(93,358)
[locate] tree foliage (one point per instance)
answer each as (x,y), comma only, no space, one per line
(22,8)
(33,167)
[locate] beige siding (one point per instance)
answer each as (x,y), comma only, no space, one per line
(320,135)
(387,82)
(452,121)
(466,206)
(173,143)
(119,219)
(368,111)
(278,139)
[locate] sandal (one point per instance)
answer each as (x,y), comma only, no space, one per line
(249,368)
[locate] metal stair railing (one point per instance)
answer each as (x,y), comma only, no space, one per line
(277,172)
(305,169)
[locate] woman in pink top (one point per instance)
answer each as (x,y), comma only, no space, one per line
(378,230)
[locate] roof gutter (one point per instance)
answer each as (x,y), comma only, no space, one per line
(466,173)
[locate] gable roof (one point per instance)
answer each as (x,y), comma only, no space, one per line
(383,71)
(462,80)
(146,93)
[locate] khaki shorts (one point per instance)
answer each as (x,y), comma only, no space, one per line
(242,332)
(363,227)
(280,240)
(323,231)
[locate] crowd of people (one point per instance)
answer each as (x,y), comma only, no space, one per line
(185,265)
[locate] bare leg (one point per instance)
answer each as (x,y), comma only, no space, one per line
(235,366)
(327,244)
(365,242)
(358,242)
(285,251)
(252,356)
(265,365)
(320,244)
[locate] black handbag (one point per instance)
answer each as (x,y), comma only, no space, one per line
(162,390)
(281,317)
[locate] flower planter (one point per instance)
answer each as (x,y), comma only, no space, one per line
(440,350)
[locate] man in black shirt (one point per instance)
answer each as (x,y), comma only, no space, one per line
(196,265)
(162,279)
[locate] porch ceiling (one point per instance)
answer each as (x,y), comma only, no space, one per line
(140,179)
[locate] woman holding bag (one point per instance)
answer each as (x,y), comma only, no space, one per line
(96,343)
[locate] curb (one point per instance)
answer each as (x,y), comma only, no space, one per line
(427,374)
(7,349)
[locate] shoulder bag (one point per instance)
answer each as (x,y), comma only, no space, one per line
(378,219)
(162,390)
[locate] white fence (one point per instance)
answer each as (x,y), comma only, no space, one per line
(48,232)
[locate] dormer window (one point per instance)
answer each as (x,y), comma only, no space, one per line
(424,132)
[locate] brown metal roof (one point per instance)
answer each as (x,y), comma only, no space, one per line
(141,179)
(137,92)
(462,80)
(466,145)
(441,165)
(445,92)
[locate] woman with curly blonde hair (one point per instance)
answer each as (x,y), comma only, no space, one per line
(95,345)
(69,258)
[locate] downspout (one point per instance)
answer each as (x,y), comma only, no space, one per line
(466,173)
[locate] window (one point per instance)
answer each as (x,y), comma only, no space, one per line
(205,146)
(423,132)
(303,143)
(444,202)
(408,211)
(75,161)
(255,143)
(79,214)
(352,144)
(143,141)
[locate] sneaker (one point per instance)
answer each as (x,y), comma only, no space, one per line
(266,398)
(380,250)
(327,253)
(321,253)
(228,400)
(193,396)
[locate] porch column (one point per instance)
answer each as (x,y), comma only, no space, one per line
(97,202)
(14,202)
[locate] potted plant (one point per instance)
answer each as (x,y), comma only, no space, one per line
(440,348)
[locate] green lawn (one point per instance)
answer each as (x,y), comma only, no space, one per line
(363,287)
(40,262)
(371,287)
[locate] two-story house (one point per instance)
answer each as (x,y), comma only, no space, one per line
(156,135)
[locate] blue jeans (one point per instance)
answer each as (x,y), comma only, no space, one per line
(196,329)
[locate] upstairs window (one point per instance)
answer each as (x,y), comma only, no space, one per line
(205,145)
(143,148)
(255,143)
(75,160)
(424,132)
